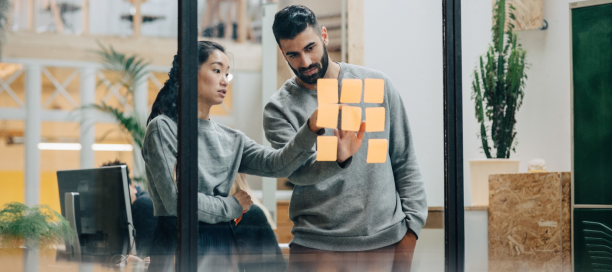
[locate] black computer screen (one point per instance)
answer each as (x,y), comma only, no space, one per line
(105,212)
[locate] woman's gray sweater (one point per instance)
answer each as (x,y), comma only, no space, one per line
(222,153)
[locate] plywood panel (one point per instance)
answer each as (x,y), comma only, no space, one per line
(528,14)
(529,222)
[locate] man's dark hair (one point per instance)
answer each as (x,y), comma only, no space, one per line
(119,163)
(292,20)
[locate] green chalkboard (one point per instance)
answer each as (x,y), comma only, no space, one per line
(592,99)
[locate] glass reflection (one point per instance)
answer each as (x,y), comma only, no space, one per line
(222,153)
(344,212)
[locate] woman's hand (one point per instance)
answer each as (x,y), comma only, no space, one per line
(312,122)
(244,199)
(349,142)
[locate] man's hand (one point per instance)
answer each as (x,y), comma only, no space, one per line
(244,199)
(312,121)
(404,252)
(349,142)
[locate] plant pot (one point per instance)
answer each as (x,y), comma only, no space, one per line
(479,176)
(26,259)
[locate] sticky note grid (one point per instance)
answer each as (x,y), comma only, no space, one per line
(373,91)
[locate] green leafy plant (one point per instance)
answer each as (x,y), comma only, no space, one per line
(128,71)
(498,86)
(38,226)
(128,123)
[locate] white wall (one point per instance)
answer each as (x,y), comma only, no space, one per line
(403,39)
(543,122)
(247,111)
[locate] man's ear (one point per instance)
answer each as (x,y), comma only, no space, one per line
(324,36)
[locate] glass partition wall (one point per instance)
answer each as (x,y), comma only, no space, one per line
(199,149)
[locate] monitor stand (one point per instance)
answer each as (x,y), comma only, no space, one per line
(73,215)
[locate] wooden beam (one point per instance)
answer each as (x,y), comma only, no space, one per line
(242,19)
(57,17)
(207,16)
(85,10)
(137,18)
(31,20)
(160,51)
(229,19)
(355,36)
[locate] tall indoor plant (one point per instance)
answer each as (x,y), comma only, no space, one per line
(129,71)
(498,91)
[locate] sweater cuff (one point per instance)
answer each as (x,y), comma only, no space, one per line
(305,138)
(413,226)
(346,163)
(234,207)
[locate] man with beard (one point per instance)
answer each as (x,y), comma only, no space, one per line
(348,215)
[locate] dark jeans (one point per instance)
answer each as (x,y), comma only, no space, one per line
(256,243)
(216,246)
(396,257)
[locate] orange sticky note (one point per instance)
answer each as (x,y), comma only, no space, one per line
(327,148)
(377,150)
(237,220)
(327,115)
(375,119)
(351,91)
(327,91)
(374,90)
(351,118)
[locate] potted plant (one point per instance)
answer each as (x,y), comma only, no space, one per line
(498,91)
(25,230)
(127,71)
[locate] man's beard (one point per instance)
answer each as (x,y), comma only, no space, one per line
(322,69)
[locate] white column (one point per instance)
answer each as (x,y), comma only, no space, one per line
(32,154)
(87,131)
(141,110)
(268,75)
(32,134)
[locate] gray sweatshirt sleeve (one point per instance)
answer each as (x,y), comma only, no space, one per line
(160,153)
(269,162)
(279,133)
(408,179)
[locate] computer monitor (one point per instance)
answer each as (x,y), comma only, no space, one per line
(96,203)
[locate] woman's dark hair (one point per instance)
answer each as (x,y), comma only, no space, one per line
(292,20)
(167,98)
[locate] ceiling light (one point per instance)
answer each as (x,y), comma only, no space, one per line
(77,146)
(229,77)
(112,147)
(59,146)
